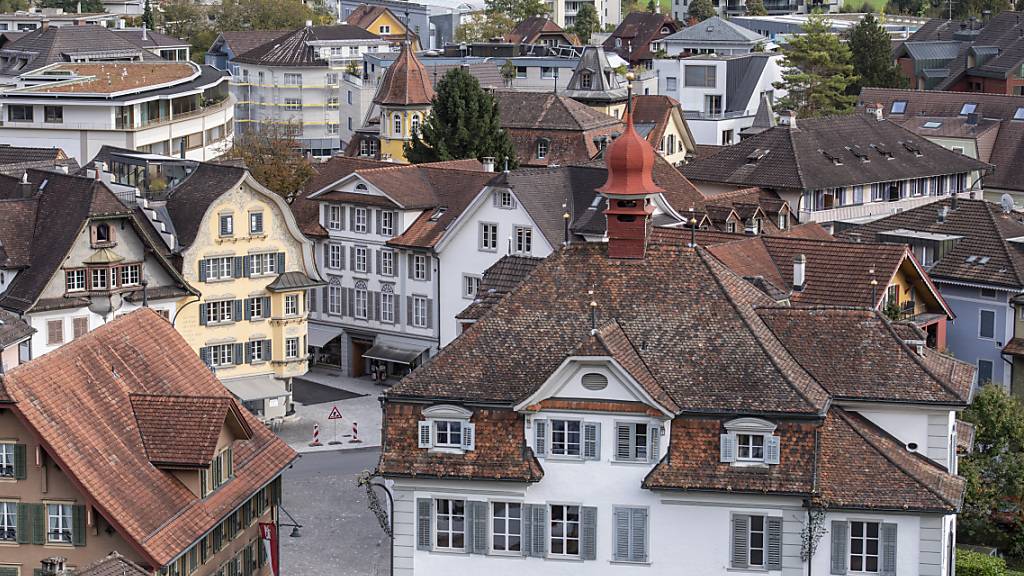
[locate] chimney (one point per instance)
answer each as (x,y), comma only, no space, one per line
(942,214)
(144,31)
(27,190)
(799,272)
(52,566)
(44,23)
(309,23)
(954,202)
(972,119)
(120,23)
(788,119)
(878,112)
(488,163)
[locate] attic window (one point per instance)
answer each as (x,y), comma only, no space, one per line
(1019,113)
(438,212)
(968,108)
(882,150)
(932,125)
(836,160)
(586,81)
(594,381)
(757,155)
(749,441)
(859,153)
(898,107)
(446,428)
(913,148)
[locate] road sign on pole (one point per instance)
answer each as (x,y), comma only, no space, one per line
(335,416)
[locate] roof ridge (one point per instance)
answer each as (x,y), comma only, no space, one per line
(989,207)
(616,325)
(915,357)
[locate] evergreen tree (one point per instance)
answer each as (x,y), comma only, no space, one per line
(756,8)
(463,123)
(517,10)
(586,22)
(147,16)
(701,10)
(872,56)
(818,71)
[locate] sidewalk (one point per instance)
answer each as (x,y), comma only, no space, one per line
(363,410)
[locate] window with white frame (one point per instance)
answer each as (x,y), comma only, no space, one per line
(8,521)
(542,148)
(359,303)
(470,286)
(864,546)
(257,350)
(359,220)
(756,541)
(750,447)
(450,524)
(488,236)
(414,124)
(293,79)
(419,312)
(506,526)
(632,441)
(387,223)
(335,256)
(397,119)
(419,267)
(291,348)
(387,307)
(334,300)
(505,199)
(218,268)
(565,437)
(360,259)
(222,355)
(447,434)
(335,214)
(524,239)
(333,128)
(332,103)
(256,310)
(749,441)
(131,274)
(219,311)
(565,530)
(98,278)
(6,460)
(74,280)
(293,104)
(291,305)
(387,263)
(59,523)
(262,264)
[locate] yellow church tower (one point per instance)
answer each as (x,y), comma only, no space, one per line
(404,100)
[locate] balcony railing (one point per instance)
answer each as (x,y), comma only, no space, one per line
(228,102)
(697,115)
(877,208)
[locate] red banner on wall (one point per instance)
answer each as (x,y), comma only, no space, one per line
(268,533)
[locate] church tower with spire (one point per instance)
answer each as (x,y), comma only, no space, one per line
(404,101)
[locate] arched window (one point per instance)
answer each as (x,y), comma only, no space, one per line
(414,126)
(398,124)
(542,148)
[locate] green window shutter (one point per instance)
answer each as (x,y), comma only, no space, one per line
(38,513)
(20,462)
(839,543)
(888,537)
(423,523)
(24,523)
(204,481)
(740,540)
(774,548)
(216,472)
(588,533)
(78,525)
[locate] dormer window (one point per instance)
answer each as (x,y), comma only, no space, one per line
(102,235)
(749,441)
(446,428)
(218,473)
(586,81)
(567,438)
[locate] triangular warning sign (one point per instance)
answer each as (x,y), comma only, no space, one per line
(335,414)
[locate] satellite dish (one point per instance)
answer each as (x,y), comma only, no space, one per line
(1006,201)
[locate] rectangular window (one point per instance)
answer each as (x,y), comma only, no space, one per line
(74,280)
(713,104)
(671,84)
(291,305)
(219,268)
(8,521)
(450,524)
(334,300)
(488,237)
(293,104)
(984,372)
(387,308)
(987,324)
(131,274)
(257,350)
(256,311)
(419,311)
(565,530)
(419,267)
(219,311)
(520,72)
(222,355)
(79,326)
(387,223)
(699,76)
(750,447)
(332,103)
(333,129)
(360,259)
(448,433)
(863,546)
(470,286)
(547,72)
(632,441)
(227,225)
(59,523)
(332,78)
(565,437)
(359,220)
(989,293)
(6,460)
(524,239)
(334,217)
(505,526)
(359,303)
(98,278)
(755,551)
(53,114)
(898,107)
(19,113)
(291,348)
(387,263)
(505,199)
(54,332)
(256,223)
(293,79)
(335,256)
(630,538)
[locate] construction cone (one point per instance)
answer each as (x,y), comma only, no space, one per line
(355,434)
(316,436)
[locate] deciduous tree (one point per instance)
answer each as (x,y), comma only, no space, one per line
(818,71)
(273,156)
(701,10)
(756,8)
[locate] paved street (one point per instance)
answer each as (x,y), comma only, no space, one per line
(340,536)
(315,394)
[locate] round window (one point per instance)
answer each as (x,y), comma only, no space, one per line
(595,381)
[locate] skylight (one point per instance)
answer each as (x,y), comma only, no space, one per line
(931,124)
(898,107)
(968,108)
(1019,114)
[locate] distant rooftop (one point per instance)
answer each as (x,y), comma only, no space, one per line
(114,77)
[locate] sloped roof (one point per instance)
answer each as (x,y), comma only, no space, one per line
(14,160)
(405,83)
(295,50)
(547,111)
(242,41)
(180,431)
(112,565)
(715,29)
(307,211)
(605,84)
(636,32)
(743,76)
(152,39)
(656,110)
(88,427)
(188,201)
(13,329)
(52,44)
(498,280)
(364,15)
(530,30)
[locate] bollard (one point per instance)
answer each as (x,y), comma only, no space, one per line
(316,436)
(355,434)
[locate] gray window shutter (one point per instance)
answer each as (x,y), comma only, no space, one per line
(496,198)
(423,538)
(430,313)
(376,217)
(540,439)
(740,540)
(773,560)
(352,219)
(771,450)
(239,354)
(468,508)
(888,537)
(246,265)
(376,306)
(202,314)
(236,313)
(525,529)
(408,303)
(638,535)
(588,533)
(20,462)
(238,266)
(204,355)
(410,267)
(327,299)
(246,309)
(202,270)
(351,258)
(839,543)
(728,448)
(591,440)
(621,518)
(427,265)
(341,219)
(655,451)
(248,352)
(280,262)
(327,255)
(378,257)
(479,527)
(24,523)
(78,525)
(539,531)
(266,306)
(623,442)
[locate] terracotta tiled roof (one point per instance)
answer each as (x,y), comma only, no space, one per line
(500,452)
(88,427)
(547,111)
(498,280)
(306,211)
(854,449)
(606,406)
(656,110)
(111,565)
(180,431)
(405,82)
(1014,347)
(636,32)
(985,232)
(530,31)
(364,15)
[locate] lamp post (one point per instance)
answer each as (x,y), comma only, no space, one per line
(386,518)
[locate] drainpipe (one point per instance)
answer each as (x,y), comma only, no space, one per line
(437,299)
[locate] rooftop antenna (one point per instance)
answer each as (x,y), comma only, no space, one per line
(874,288)
(593,313)
(693,228)
(565,218)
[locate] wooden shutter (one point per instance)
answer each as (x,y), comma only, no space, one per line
(38,513)
(540,438)
(887,534)
(526,529)
(351,219)
(24,523)
(427,265)
(204,355)
(238,266)
(410,268)
(425,434)
(202,270)
(351,301)
(377,257)
(430,313)
(376,218)
(740,540)
(638,535)
(20,462)
(80,326)
(246,308)
(539,531)
(623,442)
(588,533)
(773,552)
(621,519)
(327,256)
(238,355)
(839,543)
(248,352)
(237,312)
(408,310)
(247,265)
(478,526)
(351,257)
(266,306)
(280,262)
(728,448)
(203,314)
(326,291)
(591,440)
(78,525)
(55,332)
(496,198)
(468,436)
(423,521)
(771,450)
(376,306)
(655,451)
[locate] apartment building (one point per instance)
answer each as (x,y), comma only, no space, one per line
(188,480)
(294,79)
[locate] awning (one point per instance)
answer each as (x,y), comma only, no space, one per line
(320,335)
(393,354)
(251,388)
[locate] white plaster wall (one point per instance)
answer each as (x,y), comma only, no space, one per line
(39,320)
(908,540)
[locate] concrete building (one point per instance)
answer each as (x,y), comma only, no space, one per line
(415,17)
(29,20)
(715,35)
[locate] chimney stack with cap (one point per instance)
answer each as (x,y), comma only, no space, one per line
(27,189)
(788,118)
(488,163)
(799,272)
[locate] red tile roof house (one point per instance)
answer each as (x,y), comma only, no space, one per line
(634,404)
(139,450)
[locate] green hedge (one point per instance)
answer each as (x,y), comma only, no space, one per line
(970,563)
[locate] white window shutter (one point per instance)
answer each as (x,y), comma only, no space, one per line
(591,440)
(425,435)
(655,443)
(771,450)
(623,442)
(728,448)
(469,436)
(540,440)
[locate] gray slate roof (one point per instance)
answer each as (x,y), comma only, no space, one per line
(604,82)
(715,29)
(13,329)
(294,49)
(45,46)
(743,74)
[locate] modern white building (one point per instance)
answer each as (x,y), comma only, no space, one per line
(720,94)
(715,35)
(173,108)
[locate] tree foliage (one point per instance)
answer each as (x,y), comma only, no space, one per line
(262,15)
(147,16)
(818,71)
(756,8)
(273,156)
(517,10)
(480,27)
(701,10)
(13,5)
(872,56)
(463,123)
(586,23)
(71,6)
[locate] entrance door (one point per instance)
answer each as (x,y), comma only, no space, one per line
(359,347)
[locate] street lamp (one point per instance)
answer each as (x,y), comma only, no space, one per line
(386,518)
